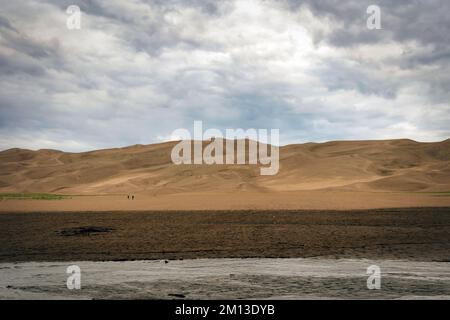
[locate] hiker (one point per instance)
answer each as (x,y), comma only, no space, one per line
(128,197)
(132,197)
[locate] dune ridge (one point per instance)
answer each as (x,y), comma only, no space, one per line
(383,165)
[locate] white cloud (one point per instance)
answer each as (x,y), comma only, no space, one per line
(138,70)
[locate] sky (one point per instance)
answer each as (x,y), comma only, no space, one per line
(137,70)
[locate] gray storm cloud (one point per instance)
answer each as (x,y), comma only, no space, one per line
(138,70)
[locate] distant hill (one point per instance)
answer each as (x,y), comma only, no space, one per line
(388,165)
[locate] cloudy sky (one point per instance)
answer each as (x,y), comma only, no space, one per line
(137,70)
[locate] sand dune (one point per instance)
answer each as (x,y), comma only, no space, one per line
(391,165)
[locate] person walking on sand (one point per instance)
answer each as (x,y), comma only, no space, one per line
(132,197)
(128,197)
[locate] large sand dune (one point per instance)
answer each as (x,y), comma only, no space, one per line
(341,167)
(391,165)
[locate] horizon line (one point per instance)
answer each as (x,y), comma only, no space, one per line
(177,141)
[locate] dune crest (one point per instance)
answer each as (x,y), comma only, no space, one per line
(387,165)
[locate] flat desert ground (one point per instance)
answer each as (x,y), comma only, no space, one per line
(421,234)
(299,200)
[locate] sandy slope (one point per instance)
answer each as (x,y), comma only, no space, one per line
(392,165)
(341,167)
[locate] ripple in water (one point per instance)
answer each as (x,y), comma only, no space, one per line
(227,279)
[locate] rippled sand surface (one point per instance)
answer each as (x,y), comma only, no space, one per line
(227,279)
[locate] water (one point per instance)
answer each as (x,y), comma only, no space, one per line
(227,279)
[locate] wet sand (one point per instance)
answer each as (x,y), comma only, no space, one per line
(421,234)
(227,279)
